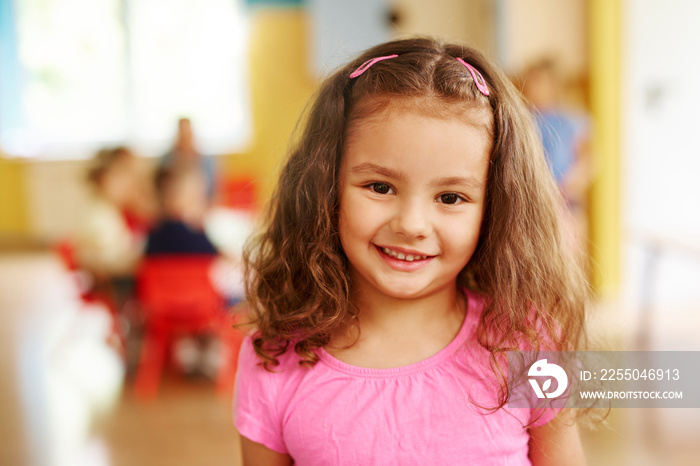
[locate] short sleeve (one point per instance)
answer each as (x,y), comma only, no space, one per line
(255,405)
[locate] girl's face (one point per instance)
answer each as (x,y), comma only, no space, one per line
(412,191)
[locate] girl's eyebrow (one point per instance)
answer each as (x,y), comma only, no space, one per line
(458,180)
(369,167)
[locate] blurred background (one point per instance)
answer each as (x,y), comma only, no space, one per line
(139,137)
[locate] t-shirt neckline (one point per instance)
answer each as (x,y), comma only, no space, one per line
(368,372)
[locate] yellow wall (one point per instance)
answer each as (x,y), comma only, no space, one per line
(13,205)
(472,22)
(281,84)
(605,18)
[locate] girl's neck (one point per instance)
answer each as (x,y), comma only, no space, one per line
(379,310)
(394,332)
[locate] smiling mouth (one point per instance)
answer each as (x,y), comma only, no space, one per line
(403,256)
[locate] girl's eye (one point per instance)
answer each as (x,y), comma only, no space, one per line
(451,198)
(380,188)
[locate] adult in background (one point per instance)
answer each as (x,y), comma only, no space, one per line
(184,153)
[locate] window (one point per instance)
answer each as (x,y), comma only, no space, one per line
(86,73)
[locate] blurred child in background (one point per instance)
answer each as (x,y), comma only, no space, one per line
(182,195)
(105,245)
(565,135)
(183,201)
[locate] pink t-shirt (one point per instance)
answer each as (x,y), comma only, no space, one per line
(420,414)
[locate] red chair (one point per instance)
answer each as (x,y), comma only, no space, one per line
(66,252)
(178,298)
(240,192)
(84,286)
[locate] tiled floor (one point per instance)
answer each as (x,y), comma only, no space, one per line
(624,443)
(646,437)
(188,424)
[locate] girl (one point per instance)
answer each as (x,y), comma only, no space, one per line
(412,241)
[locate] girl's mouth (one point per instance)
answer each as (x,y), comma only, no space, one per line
(401,256)
(402,260)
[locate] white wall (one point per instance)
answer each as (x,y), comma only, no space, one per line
(661,163)
(341,30)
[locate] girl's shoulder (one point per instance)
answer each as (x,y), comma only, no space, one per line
(251,362)
(475,303)
(475,299)
(271,381)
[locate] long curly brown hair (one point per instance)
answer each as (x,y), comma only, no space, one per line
(298,283)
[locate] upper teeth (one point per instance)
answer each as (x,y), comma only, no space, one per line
(402,256)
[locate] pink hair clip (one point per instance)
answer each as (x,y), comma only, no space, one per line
(476,76)
(366,65)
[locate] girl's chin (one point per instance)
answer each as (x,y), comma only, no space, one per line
(405,290)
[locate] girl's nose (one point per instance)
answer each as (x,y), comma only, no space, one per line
(412,219)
